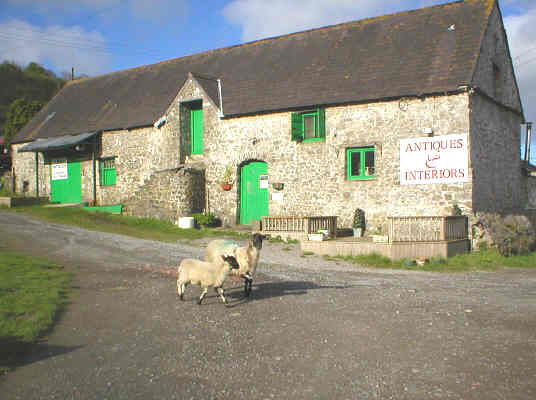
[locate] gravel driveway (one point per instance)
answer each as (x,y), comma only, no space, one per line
(313,329)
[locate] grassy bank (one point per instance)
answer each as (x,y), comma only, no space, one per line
(142,228)
(487,259)
(32,291)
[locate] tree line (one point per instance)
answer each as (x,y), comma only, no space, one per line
(25,90)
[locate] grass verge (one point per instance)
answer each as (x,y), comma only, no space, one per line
(142,228)
(32,292)
(485,260)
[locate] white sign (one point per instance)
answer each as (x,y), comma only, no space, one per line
(277,196)
(440,159)
(59,171)
(263,181)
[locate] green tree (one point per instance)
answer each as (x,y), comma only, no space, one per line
(32,82)
(18,114)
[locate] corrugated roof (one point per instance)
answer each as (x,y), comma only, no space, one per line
(55,143)
(403,54)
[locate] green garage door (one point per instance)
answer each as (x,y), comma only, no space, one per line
(65,185)
(253,192)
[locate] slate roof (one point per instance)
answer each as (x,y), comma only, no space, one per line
(403,54)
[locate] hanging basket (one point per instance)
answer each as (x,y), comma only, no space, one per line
(226,186)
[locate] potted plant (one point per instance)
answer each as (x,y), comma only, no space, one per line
(358,224)
(227,179)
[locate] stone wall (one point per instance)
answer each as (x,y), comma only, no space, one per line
(138,154)
(495,127)
(25,175)
(495,157)
(314,173)
(168,195)
(494,74)
(531,195)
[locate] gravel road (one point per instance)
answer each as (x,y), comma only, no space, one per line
(312,329)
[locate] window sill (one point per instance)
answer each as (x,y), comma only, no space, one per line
(363,178)
(313,140)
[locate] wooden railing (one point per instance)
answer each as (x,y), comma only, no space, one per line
(424,229)
(304,225)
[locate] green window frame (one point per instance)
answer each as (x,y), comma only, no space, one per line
(196,128)
(107,172)
(308,126)
(360,163)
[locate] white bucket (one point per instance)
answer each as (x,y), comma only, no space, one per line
(186,222)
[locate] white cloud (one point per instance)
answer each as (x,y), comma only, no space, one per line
(154,10)
(58,47)
(261,18)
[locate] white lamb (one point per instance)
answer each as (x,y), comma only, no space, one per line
(205,274)
(247,257)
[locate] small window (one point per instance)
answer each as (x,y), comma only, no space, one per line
(360,163)
(308,126)
(107,171)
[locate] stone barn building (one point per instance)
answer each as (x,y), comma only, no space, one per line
(409,114)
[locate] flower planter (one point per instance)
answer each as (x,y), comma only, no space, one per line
(358,232)
(226,186)
(318,237)
(380,238)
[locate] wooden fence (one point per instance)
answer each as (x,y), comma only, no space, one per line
(303,225)
(427,229)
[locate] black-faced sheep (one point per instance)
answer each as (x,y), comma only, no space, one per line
(205,274)
(247,257)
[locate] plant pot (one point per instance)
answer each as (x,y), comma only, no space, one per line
(358,232)
(226,186)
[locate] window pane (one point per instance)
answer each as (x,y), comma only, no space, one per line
(355,163)
(309,126)
(369,163)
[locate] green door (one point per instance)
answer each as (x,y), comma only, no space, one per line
(65,184)
(253,192)
(196,130)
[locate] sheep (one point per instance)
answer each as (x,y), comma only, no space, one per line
(247,257)
(204,274)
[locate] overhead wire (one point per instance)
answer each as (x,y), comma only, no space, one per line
(73,41)
(81,45)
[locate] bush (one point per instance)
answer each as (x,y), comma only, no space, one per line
(204,220)
(511,234)
(359,219)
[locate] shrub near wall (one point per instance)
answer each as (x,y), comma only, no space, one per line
(511,234)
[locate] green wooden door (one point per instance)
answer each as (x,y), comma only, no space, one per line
(65,184)
(196,130)
(253,192)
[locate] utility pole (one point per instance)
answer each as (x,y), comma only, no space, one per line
(72,73)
